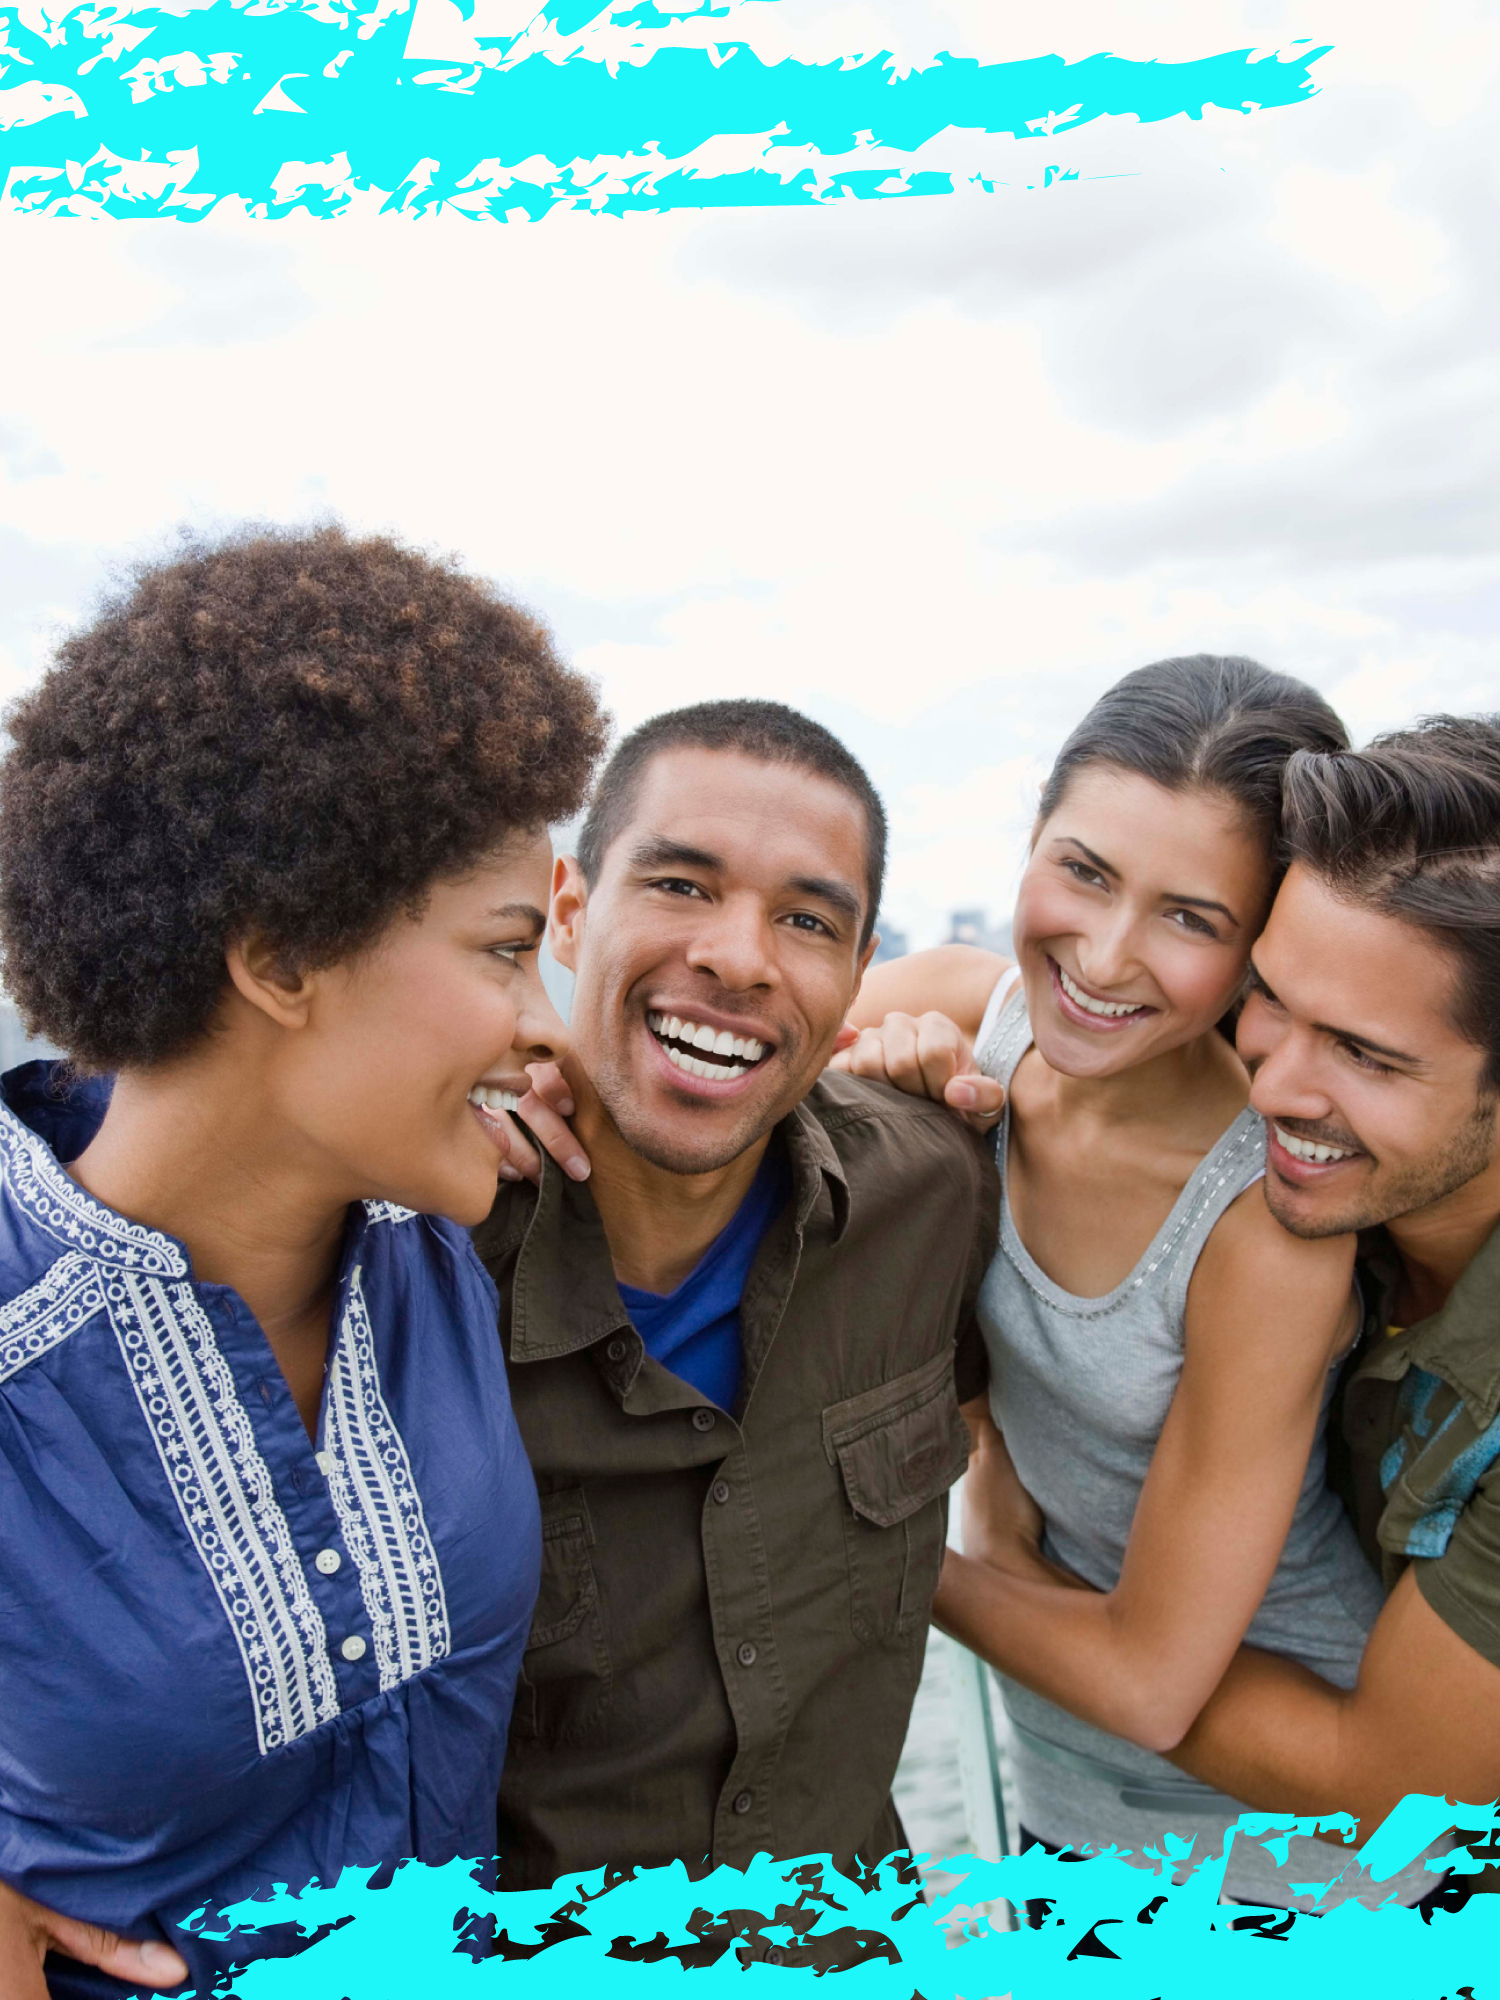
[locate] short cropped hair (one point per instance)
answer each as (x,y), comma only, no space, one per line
(290,732)
(1411,827)
(765,730)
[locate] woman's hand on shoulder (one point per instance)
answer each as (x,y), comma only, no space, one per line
(926,1055)
(546,1108)
(28,1932)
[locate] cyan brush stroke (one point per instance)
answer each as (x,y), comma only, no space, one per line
(125,108)
(779,1926)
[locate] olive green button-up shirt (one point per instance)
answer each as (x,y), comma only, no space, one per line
(734,1604)
(1419,1431)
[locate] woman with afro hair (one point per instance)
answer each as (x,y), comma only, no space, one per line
(273,868)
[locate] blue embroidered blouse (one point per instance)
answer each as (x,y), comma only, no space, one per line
(230,1656)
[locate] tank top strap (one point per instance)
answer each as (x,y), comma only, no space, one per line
(1005,1032)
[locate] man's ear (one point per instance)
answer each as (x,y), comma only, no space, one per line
(570,896)
(260,976)
(864,965)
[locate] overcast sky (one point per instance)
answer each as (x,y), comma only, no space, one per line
(937,471)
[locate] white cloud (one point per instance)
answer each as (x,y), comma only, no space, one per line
(937,471)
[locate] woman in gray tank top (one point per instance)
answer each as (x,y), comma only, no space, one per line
(1162,1353)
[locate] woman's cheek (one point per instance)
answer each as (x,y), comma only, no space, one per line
(1202,982)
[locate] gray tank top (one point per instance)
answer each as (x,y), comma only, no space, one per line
(1081,1387)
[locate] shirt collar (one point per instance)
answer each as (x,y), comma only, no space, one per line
(564,1296)
(1460,1342)
(49,1113)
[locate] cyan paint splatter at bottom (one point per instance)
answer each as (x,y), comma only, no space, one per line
(1113,1928)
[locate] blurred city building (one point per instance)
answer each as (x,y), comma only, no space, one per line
(15,1044)
(893,943)
(974,927)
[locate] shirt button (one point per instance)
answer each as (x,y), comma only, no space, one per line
(703,1420)
(353,1647)
(743,1801)
(720,1490)
(775,1955)
(325,1462)
(616,1350)
(327,1561)
(746,1655)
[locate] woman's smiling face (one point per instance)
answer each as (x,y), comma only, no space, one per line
(1135,918)
(402,1042)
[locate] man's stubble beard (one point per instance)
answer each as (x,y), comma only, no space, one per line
(618,1098)
(1468,1153)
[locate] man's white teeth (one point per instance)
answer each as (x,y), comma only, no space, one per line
(745,1050)
(1091,1006)
(1310,1149)
(712,1072)
(494,1100)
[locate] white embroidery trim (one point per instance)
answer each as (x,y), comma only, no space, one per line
(69,1293)
(59,1205)
(388,1211)
(224,1492)
(379,1508)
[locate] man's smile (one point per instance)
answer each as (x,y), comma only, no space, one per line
(697,1049)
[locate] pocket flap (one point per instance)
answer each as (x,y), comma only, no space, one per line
(569,1588)
(899,1446)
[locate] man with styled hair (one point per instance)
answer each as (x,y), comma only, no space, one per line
(1372,1034)
(732,1348)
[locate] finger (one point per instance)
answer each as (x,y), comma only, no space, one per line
(845,1038)
(941,1052)
(551,1086)
(148,1964)
(520,1161)
(979,1098)
(866,1057)
(557,1135)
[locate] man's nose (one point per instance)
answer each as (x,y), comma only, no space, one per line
(735,943)
(1285,1077)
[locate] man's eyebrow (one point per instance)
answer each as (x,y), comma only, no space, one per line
(825,889)
(1256,984)
(663,853)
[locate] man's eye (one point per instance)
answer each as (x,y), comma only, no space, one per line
(805,920)
(677,885)
(514,953)
(1364,1060)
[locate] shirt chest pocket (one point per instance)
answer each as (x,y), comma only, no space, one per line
(566,1682)
(898,1449)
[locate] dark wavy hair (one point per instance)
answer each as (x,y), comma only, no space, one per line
(1209,720)
(1411,827)
(293,732)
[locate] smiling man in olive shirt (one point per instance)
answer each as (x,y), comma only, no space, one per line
(744,1501)
(1372,1034)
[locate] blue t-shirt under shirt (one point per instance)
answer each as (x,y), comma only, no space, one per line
(695,1330)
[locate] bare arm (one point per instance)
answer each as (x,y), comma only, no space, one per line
(955,979)
(1266,1316)
(1424,1716)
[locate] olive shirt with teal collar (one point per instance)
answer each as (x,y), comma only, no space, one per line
(734,1603)
(1419,1438)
